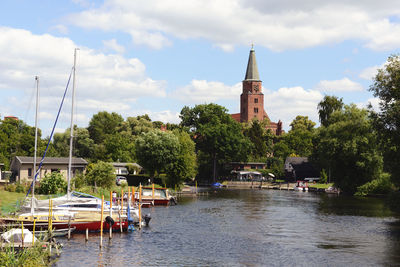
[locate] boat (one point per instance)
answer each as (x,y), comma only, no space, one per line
(152,196)
(301,186)
(332,190)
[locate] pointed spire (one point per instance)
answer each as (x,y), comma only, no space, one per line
(252,69)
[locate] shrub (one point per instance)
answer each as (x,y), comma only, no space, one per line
(53,183)
(101,174)
(323,177)
(382,185)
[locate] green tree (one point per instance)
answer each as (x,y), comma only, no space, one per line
(302,123)
(217,136)
(100,174)
(185,165)
(139,124)
(327,106)
(156,151)
(386,87)
(257,134)
(102,124)
(348,148)
(83,145)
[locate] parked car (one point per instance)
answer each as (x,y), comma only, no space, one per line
(120,180)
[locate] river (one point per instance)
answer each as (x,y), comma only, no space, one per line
(251,228)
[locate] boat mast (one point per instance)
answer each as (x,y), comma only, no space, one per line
(36,136)
(72,128)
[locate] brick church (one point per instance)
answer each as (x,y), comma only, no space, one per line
(252,98)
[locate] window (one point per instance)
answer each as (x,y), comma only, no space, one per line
(30,172)
(255,110)
(255,100)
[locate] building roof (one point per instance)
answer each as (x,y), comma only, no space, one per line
(124,164)
(236,116)
(252,69)
(50,160)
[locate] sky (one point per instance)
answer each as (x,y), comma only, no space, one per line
(155,57)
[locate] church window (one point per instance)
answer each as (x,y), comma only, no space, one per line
(255,110)
(255,100)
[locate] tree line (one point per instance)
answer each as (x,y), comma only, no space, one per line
(358,148)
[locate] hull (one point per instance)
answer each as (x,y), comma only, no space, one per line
(147,202)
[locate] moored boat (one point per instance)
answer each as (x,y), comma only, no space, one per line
(301,186)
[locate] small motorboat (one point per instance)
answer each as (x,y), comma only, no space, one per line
(301,186)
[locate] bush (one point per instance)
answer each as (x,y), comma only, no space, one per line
(10,187)
(53,183)
(323,177)
(382,185)
(79,180)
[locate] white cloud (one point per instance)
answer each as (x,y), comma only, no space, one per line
(103,82)
(343,85)
(287,103)
(114,46)
(201,91)
(278,25)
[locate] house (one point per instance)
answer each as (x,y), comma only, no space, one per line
(240,166)
(299,168)
(22,167)
(121,168)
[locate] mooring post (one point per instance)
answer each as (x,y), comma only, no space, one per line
(119,215)
(101,221)
(87,235)
(69,228)
(140,206)
(110,233)
(22,233)
(34,226)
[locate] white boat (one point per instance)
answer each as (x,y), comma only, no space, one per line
(301,186)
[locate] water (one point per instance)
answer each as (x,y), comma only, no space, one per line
(251,228)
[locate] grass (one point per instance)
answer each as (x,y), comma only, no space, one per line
(323,186)
(9,201)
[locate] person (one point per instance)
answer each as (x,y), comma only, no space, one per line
(114,196)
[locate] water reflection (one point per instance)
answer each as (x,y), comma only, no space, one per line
(251,228)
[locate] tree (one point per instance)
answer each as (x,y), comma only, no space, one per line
(185,165)
(386,86)
(83,145)
(302,123)
(327,106)
(102,124)
(138,125)
(217,136)
(156,151)
(100,174)
(119,147)
(348,148)
(258,137)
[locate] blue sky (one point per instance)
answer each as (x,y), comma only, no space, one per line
(157,56)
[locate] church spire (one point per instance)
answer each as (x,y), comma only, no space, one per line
(252,69)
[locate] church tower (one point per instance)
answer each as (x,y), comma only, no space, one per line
(252,98)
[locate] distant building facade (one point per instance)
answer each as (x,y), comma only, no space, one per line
(252,98)
(22,167)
